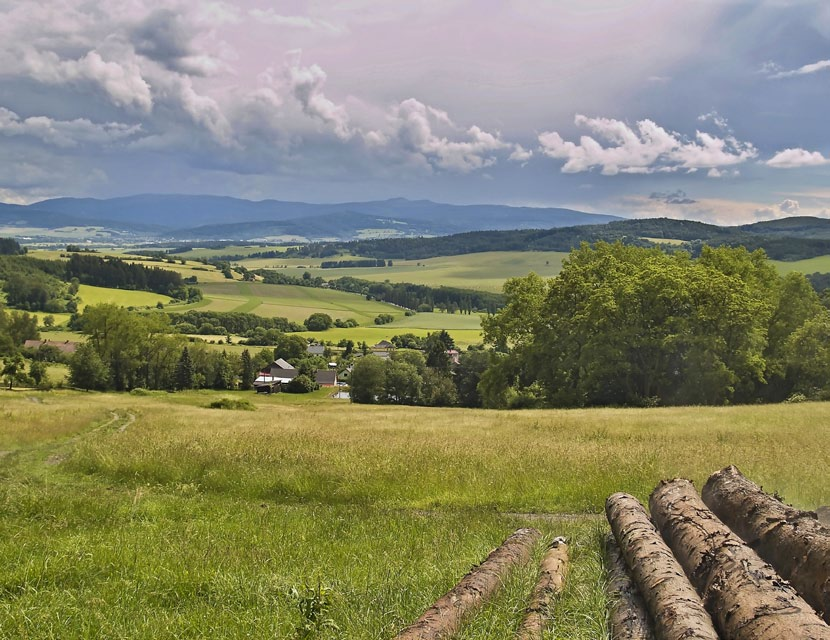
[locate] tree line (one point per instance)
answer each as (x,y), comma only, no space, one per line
(623,325)
(125,351)
(777,243)
(116,273)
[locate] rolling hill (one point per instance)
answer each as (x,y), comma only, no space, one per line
(184,217)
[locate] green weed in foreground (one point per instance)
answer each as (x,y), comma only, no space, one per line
(171,520)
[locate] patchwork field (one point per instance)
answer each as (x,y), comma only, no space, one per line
(482,271)
(152,516)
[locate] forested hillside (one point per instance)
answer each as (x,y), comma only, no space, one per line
(807,239)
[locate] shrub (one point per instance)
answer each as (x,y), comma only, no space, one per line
(301,384)
(232,403)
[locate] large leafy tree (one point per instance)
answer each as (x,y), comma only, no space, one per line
(368,380)
(626,325)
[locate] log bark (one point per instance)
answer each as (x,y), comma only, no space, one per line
(672,601)
(628,617)
(748,600)
(552,572)
(792,541)
(444,618)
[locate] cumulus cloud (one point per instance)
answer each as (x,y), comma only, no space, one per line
(520,154)
(647,148)
(776,72)
(64,133)
(122,81)
(165,37)
(792,158)
(416,129)
(675,197)
(306,85)
(789,207)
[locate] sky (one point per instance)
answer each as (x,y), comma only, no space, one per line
(713,110)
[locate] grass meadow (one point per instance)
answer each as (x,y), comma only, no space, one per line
(152,516)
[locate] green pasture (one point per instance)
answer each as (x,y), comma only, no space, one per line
(820,264)
(153,516)
(126,298)
(482,271)
(288,301)
(465,329)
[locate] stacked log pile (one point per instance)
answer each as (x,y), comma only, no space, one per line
(688,573)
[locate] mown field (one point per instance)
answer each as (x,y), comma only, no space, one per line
(152,516)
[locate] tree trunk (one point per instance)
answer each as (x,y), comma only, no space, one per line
(628,618)
(552,571)
(792,541)
(443,619)
(746,598)
(675,607)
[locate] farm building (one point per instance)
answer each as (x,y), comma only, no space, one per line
(326,378)
(316,350)
(270,378)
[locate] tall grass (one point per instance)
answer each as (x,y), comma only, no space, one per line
(192,522)
(537,461)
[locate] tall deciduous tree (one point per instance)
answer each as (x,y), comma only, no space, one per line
(626,325)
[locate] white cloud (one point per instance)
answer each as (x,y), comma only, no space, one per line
(64,133)
(807,69)
(520,154)
(715,118)
(789,207)
(792,158)
(416,126)
(648,149)
(306,85)
(122,81)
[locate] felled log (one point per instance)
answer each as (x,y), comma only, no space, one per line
(444,618)
(675,607)
(792,541)
(552,572)
(628,617)
(748,600)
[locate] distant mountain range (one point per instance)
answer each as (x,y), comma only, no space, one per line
(184,217)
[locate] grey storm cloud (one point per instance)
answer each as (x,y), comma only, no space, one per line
(675,197)
(164,37)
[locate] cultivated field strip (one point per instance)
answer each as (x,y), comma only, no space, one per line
(743,596)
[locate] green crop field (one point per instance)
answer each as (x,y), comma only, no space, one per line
(482,271)
(153,516)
